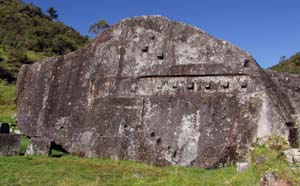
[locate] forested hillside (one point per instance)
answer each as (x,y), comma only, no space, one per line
(27,35)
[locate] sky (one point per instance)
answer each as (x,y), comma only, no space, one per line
(267,29)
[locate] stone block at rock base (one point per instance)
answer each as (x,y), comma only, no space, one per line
(9,144)
(39,146)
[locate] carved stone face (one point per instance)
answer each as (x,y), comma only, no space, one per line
(153,90)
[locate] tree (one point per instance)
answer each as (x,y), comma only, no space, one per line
(52,12)
(98,27)
(282,59)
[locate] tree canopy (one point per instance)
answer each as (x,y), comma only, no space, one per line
(98,27)
(52,12)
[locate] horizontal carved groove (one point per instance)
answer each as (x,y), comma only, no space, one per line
(191,75)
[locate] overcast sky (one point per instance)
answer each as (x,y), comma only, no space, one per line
(267,29)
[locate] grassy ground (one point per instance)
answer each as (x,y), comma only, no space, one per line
(77,171)
(7,104)
(70,170)
(273,160)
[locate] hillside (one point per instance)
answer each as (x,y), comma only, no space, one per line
(28,35)
(291,65)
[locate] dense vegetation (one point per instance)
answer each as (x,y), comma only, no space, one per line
(27,35)
(291,65)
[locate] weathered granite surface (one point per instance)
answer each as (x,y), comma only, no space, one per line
(153,90)
(289,86)
(9,144)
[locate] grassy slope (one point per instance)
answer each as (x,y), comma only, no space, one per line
(291,65)
(27,35)
(76,171)
(69,170)
(7,105)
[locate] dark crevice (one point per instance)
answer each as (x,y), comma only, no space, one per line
(294,137)
(293,134)
(158,141)
(174,154)
(290,124)
(246,63)
(57,150)
(189,75)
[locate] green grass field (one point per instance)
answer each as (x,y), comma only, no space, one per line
(69,170)
(7,103)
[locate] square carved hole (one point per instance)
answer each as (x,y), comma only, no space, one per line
(246,63)
(160,56)
(145,49)
(225,85)
(244,84)
(190,86)
(208,86)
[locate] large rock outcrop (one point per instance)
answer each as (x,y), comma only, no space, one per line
(153,90)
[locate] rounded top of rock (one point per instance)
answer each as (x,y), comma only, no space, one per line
(155,45)
(157,19)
